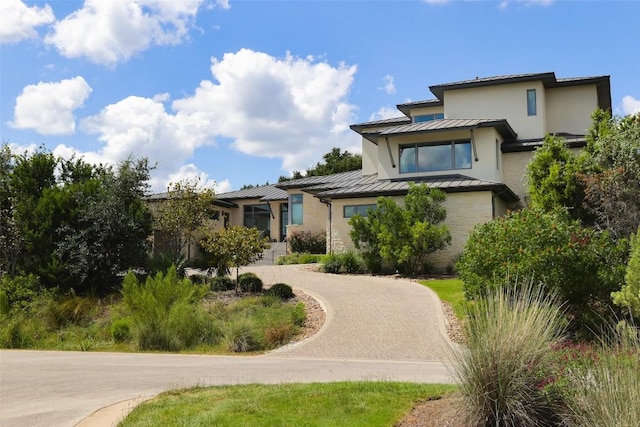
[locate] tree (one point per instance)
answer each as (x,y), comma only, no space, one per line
(552,178)
(335,161)
(612,185)
(10,239)
(182,215)
(629,294)
(403,235)
(234,247)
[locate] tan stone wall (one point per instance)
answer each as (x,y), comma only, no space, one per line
(514,168)
(315,214)
(340,241)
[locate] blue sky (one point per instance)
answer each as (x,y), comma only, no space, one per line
(241,92)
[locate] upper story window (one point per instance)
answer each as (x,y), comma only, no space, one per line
(428,117)
(440,156)
(351,210)
(532,108)
(296,209)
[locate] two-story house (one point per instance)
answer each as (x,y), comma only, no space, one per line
(473,140)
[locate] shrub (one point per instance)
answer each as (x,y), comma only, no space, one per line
(121,330)
(331,263)
(20,290)
(278,334)
(239,336)
(582,265)
(306,241)
(165,311)
(629,295)
(508,335)
(299,258)
(299,314)
(4,303)
(221,283)
(72,310)
(249,282)
(350,262)
(281,290)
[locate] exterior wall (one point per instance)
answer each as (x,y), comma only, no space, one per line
(569,108)
(514,167)
(464,211)
(236,216)
(426,110)
(484,168)
(314,214)
(369,157)
(506,101)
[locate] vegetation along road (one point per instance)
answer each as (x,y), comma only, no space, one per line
(376,329)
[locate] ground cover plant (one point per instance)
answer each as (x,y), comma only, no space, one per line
(299,258)
(161,313)
(343,403)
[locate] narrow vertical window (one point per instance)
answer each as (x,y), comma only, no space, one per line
(531,102)
(497,154)
(296,209)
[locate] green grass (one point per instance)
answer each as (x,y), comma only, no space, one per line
(344,404)
(449,290)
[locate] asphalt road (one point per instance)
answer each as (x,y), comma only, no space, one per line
(376,329)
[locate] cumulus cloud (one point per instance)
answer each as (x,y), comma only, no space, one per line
(385,113)
(107,32)
(389,87)
(18,21)
(291,108)
(630,105)
(192,173)
(48,108)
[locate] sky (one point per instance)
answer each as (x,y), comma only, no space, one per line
(241,92)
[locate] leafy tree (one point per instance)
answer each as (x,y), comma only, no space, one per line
(335,161)
(182,215)
(10,239)
(612,186)
(403,235)
(234,247)
(629,295)
(552,178)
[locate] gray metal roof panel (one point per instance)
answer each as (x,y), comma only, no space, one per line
(445,125)
(265,192)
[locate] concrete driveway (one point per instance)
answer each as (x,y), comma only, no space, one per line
(376,329)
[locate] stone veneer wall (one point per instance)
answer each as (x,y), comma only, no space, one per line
(514,169)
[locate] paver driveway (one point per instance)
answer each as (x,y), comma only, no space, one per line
(376,329)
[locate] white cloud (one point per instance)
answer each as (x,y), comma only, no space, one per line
(18,21)
(385,113)
(48,108)
(389,87)
(291,108)
(110,31)
(630,105)
(192,173)
(436,1)
(504,4)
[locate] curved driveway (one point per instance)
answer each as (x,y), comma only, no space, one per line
(376,329)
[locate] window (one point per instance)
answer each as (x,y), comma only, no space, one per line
(351,210)
(498,154)
(296,209)
(428,117)
(435,157)
(531,102)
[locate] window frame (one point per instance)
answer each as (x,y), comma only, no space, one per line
(362,209)
(532,103)
(294,206)
(420,118)
(453,160)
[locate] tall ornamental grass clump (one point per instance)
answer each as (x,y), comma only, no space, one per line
(605,391)
(166,312)
(509,332)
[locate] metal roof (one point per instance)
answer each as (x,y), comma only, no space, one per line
(505,130)
(263,192)
(217,201)
(447,183)
(518,145)
(335,180)
(407,106)
(383,122)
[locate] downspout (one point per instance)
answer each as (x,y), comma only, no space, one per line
(393,163)
(328,203)
(473,145)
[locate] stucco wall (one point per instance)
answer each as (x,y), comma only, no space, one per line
(569,108)
(369,157)
(507,101)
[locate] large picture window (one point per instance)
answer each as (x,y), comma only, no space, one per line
(440,156)
(296,209)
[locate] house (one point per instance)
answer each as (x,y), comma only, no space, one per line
(473,140)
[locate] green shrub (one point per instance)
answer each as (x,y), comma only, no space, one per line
(165,310)
(299,314)
(4,303)
(306,241)
(121,330)
(299,258)
(20,290)
(281,290)
(250,282)
(72,310)
(582,265)
(629,296)
(199,279)
(221,283)
(350,262)
(508,335)
(331,263)
(239,336)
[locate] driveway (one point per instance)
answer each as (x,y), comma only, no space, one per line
(376,329)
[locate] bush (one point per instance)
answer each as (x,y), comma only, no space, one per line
(240,336)
(72,310)
(249,282)
(331,264)
(299,258)
(221,283)
(4,303)
(121,330)
(165,311)
(582,265)
(509,332)
(20,290)
(278,334)
(346,262)
(629,296)
(281,290)
(306,241)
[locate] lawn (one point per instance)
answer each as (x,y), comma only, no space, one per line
(449,290)
(342,403)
